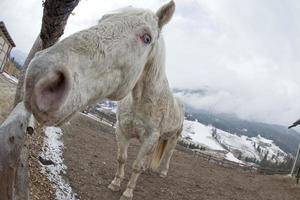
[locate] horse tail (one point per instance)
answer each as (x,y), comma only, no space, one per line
(158,154)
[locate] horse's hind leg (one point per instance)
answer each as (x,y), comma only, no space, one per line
(123,144)
(165,161)
(146,147)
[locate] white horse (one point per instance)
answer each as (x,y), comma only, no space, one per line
(121,58)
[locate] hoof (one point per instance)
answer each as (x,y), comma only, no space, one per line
(125,198)
(114,187)
(163,174)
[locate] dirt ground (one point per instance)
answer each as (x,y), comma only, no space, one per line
(90,155)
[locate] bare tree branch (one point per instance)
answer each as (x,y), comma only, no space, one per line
(55,17)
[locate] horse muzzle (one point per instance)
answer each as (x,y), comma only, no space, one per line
(46,89)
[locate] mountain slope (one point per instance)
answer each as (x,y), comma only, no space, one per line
(286,139)
(251,149)
(200,134)
(18,55)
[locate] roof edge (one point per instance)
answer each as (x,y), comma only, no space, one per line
(4,30)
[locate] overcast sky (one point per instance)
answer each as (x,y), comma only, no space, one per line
(246,53)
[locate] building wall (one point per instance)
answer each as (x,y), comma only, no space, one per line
(11,69)
(5,48)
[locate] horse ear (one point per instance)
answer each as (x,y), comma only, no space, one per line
(165,13)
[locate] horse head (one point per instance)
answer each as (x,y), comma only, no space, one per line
(104,61)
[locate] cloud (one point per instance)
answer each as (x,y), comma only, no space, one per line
(23,21)
(247,53)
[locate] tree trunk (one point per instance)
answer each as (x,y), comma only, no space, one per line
(56,14)
(37,46)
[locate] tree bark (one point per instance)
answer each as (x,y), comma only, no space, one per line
(37,46)
(55,17)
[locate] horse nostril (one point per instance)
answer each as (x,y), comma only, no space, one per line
(51,90)
(56,85)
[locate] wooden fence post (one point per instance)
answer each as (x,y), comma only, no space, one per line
(295,162)
(298,176)
(12,139)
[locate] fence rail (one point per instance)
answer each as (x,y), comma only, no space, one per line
(227,163)
(104,117)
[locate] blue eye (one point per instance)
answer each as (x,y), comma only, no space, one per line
(146,38)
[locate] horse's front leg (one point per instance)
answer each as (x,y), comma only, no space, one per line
(123,144)
(146,148)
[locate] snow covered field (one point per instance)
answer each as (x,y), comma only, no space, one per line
(200,134)
(255,148)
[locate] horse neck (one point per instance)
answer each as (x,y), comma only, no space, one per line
(153,80)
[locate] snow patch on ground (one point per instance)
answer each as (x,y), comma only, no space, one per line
(107,106)
(230,156)
(200,134)
(53,150)
(11,78)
